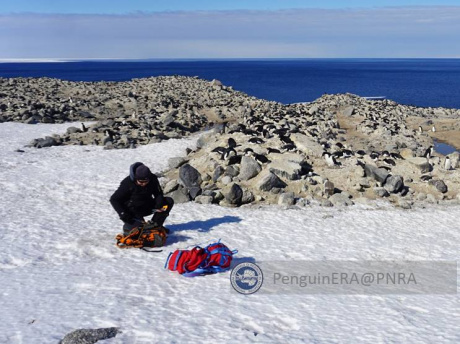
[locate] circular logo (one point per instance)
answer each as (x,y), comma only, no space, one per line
(246,278)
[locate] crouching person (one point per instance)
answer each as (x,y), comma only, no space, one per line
(139,195)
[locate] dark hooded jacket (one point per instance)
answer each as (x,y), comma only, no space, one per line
(135,199)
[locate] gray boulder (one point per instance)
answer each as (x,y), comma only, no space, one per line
(169,118)
(269,181)
(455,159)
(421,163)
(378,174)
(170,186)
(340,199)
(307,145)
(204,199)
(328,187)
(248,196)
(89,336)
(189,176)
(381,192)
(194,192)
(286,198)
(231,171)
(73,130)
(180,195)
(249,168)
(394,184)
(439,185)
(46,142)
(235,195)
(286,169)
(176,162)
(218,172)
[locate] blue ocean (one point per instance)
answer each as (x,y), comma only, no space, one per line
(420,82)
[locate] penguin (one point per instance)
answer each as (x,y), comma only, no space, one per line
(273,150)
(108,133)
(447,164)
(256,140)
(347,153)
(234,159)
(360,163)
(433,129)
(396,156)
(248,151)
(266,134)
(84,128)
(219,150)
(389,162)
(231,143)
(289,148)
(330,160)
(262,159)
(228,153)
(429,152)
(425,178)
(420,129)
(285,139)
(374,155)
(360,153)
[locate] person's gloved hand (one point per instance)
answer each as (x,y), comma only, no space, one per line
(127,217)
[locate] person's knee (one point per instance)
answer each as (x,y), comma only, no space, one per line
(169,202)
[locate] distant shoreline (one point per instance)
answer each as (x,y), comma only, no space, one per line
(116,59)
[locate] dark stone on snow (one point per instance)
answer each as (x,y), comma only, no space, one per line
(89,336)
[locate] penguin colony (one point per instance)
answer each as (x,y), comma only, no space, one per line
(144,111)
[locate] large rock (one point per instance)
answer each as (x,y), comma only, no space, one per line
(381,192)
(189,176)
(421,163)
(89,336)
(407,153)
(328,187)
(394,184)
(307,145)
(218,172)
(378,174)
(286,198)
(204,199)
(180,195)
(285,168)
(249,168)
(176,162)
(455,159)
(269,181)
(340,199)
(235,195)
(171,186)
(439,185)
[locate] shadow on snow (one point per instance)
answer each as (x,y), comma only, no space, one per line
(203,226)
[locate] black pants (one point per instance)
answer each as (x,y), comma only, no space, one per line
(159,218)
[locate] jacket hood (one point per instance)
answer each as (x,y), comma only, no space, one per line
(132,169)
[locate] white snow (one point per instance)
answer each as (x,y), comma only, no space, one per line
(60,269)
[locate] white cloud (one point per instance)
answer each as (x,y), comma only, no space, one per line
(384,32)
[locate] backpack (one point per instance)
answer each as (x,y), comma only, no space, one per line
(213,258)
(143,236)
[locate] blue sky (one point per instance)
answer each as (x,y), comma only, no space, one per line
(228,29)
(130,6)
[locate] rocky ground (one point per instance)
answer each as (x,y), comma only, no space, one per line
(337,150)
